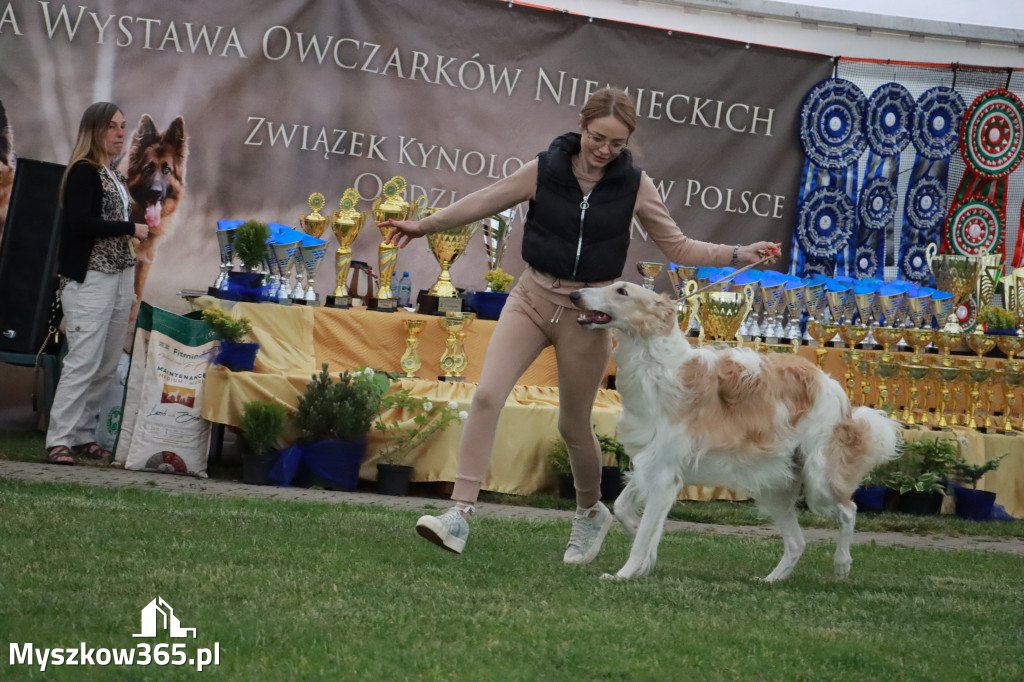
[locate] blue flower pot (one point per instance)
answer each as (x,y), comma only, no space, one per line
(329,464)
(238,357)
(487,304)
(973,505)
(870,499)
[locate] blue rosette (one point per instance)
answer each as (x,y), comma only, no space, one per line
(832,123)
(890,112)
(936,122)
(877,206)
(825,223)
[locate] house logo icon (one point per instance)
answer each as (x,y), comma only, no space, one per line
(158,614)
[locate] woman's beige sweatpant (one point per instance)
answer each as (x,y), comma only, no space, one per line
(527,325)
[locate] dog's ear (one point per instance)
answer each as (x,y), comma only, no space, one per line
(146,134)
(175,135)
(657,317)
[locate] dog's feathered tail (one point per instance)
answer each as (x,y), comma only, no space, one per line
(858,443)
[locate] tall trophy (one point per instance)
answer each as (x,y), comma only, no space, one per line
(772,301)
(311,253)
(649,271)
(793,295)
(388,206)
(454,359)
(346,223)
(314,223)
(225,237)
(497,230)
(285,255)
(410,361)
(957,275)
(447,246)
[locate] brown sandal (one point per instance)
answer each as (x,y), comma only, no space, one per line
(59,454)
(92,451)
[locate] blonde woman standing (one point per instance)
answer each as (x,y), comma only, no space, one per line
(96,263)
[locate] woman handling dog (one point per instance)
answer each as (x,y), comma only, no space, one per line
(96,263)
(583,193)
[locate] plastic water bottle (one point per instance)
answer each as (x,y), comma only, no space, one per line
(405,290)
(394,287)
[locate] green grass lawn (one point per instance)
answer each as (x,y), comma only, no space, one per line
(311,591)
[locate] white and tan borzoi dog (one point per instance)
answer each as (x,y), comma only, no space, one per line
(773,425)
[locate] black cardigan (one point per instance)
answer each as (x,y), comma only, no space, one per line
(83,220)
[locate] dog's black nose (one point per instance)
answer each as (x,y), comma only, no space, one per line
(574,296)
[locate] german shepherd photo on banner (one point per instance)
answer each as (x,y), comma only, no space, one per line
(7,161)
(155,172)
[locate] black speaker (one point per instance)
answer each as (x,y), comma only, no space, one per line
(28,256)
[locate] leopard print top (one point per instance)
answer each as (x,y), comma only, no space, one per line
(112,254)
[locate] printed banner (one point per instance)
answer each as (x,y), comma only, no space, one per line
(242,110)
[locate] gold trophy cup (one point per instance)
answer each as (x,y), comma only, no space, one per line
(388,206)
(447,246)
(957,275)
(346,223)
(915,375)
(313,223)
(454,359)
(649,271)
(685,305)
(721,313)
(822,332)
(411,358)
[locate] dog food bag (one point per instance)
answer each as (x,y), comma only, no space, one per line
(161,428)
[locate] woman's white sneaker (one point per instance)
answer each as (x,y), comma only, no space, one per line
(449,530)
(588,531)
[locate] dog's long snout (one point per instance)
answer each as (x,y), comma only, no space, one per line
(576,298)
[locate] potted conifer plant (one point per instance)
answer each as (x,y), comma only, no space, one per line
(263,423)
(334,418)
(998,320)
(236,352)
(250,244)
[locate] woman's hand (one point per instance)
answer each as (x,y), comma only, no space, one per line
(754,253)
(402,231)
(141,231)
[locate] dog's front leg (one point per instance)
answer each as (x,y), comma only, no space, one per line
(645,545)
(627,506)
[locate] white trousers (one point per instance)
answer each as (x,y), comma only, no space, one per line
(96,317)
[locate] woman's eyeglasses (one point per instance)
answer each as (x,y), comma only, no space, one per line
(614,146)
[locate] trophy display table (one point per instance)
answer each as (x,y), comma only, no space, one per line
(295,340)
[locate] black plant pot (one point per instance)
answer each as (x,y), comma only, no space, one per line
(256,468)
(612,483)
(920,503)
(566,488)
(393,479)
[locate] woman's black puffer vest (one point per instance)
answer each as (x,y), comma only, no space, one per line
(564,239)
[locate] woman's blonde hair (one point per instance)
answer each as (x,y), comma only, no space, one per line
(89,145)
(609,102)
